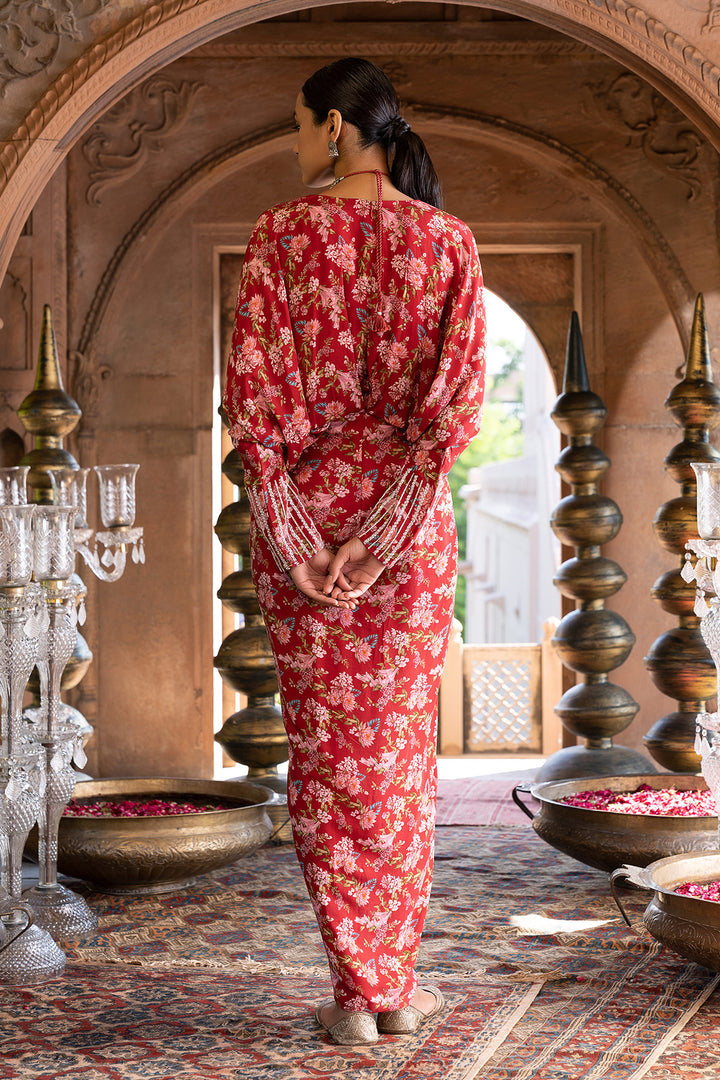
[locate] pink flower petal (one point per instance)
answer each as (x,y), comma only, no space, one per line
(666,802)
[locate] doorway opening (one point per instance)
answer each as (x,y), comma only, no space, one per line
(505,488)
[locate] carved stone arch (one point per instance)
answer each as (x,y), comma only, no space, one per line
(657,252)
(465,124)
(241,153)
(164,31)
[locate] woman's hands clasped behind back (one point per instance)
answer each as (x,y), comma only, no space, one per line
(338,580)
(311,577)
(352,571)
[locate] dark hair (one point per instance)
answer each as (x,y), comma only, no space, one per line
(365,97)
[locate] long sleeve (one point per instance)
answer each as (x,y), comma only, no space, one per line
(444,422)
(265,404)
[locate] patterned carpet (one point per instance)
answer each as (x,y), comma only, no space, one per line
(543,979)
(175,1026)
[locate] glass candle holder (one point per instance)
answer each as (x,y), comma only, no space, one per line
(16,545)
(13,485)
(62,482)
(117,495)
(81,475)
(708,498)
(69,487)
(54,542)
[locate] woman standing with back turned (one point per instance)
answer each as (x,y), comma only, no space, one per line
(355,380)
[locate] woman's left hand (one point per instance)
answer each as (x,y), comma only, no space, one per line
(310,577)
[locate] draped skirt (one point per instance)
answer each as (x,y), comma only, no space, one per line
(359,699)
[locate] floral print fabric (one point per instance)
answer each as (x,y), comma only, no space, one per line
(344,432)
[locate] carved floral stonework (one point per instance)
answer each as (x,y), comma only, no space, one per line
(119,145)
(712,21)
(85,381)
(31,32)
(653,125)
(15,325)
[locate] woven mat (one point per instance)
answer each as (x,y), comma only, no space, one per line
(543,978)
(475,800)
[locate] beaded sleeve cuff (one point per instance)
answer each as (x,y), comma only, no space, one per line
(392,525)
(280,515)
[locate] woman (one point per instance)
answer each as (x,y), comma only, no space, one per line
(355,380)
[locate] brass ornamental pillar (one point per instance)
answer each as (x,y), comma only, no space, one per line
(589,640)
(679,662)
(254,736)
(49,414)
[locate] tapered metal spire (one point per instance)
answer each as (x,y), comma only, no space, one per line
(698,361)
(48,375)
(576,376)
(49,414)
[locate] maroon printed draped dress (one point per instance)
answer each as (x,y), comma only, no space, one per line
(346,430)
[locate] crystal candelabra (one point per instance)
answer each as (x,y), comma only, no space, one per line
(702,565)
(39,615)
(117,512)
(12,925)
(31,956)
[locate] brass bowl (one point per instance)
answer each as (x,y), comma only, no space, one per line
(161,854)
(605,839)
(686,924)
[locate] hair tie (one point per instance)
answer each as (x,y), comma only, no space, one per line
(394,129)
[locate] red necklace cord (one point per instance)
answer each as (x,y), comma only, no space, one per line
(377,320)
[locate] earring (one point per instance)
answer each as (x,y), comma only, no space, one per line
(332,149)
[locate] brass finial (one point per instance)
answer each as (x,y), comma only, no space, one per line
(590,640)
(255,736)
(698,361)
(48,413)
(576,376)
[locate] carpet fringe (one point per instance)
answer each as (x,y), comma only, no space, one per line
(499,1037)
(249,966)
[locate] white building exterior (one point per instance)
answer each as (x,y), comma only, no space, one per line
(512,553)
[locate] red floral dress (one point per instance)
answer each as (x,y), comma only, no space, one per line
(344,430)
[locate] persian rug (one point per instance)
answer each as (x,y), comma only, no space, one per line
(115,1024)
(694,1054)
(476,800)
(543,979)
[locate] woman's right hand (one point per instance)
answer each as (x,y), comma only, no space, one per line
(359,568)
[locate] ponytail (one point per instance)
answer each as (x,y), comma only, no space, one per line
(412,171)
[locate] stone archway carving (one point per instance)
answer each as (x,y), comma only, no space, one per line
(463,123)
(130,51)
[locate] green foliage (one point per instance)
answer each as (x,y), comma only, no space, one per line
(501,438)
(513,362)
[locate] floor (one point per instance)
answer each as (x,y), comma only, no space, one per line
(515,770)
